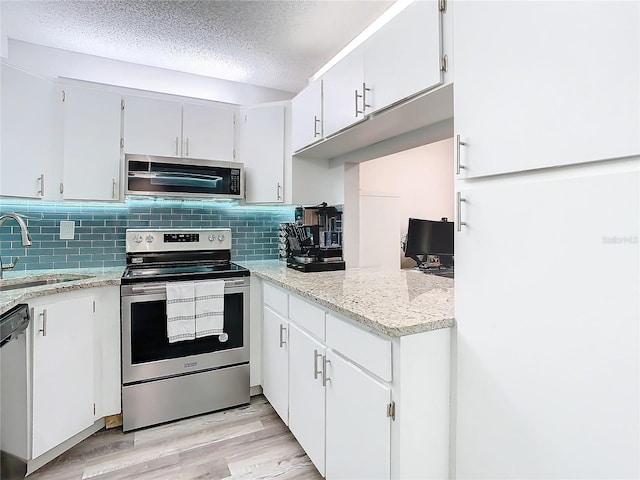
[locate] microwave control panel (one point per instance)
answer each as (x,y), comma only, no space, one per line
(234,181)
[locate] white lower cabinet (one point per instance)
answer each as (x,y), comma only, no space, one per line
(275,361)
(106,352)
(62,371)
(358,430)
(61,377)
(307,394)
(339,387)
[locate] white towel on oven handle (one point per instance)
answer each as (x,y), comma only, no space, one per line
(209,308)
(181,311)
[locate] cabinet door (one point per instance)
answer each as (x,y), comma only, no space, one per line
(342,102)
(306,395)
(62,372)
(358,428)
(107,362)
(275,362)
(207,132)
(152,127)
(306,113)
(403,57)
(92,121)
(27,134)
(262,152)
(532,88)
(547,306)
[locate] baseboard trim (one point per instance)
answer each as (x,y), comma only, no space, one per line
(255,390)
(36,463)
(113,421)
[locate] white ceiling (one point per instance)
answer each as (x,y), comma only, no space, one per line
(275,44)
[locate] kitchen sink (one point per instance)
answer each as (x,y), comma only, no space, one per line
(27,283)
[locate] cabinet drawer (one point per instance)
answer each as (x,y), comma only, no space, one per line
(275,298)
(307,315)
(360,346)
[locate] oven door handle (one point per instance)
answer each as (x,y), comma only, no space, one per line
(149,289)
(235,283)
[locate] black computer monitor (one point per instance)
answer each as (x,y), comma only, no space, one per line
(429,237)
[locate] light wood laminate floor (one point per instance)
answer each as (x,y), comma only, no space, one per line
(249,442)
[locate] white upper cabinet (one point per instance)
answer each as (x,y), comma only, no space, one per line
(173,129)
(342,100)
(28,140)
(92,120)
(403,57)
(398,61)
(152,126)
(306,112)
(207,132)
(261,149)
(541,84)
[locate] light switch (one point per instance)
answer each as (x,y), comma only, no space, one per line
(67,229)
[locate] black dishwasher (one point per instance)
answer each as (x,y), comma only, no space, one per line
(13,322)
(13,383)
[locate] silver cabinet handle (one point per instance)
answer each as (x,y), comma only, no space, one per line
(356,98)
(316,355)
(459,201)
(41,180)
(187,153)
(316,121)
(325,379)
(364,97)
(43,315)
(177,146)
(458,165)
(279,190)
(282,341)
(113,188)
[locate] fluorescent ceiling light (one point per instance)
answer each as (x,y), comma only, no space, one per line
(391,12)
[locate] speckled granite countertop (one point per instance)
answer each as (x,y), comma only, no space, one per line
(396,303)
(88,278)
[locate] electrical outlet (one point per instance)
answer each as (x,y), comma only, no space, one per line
(67,229)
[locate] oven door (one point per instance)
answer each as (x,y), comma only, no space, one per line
(146,351)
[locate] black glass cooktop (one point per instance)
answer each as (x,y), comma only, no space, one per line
(178,272)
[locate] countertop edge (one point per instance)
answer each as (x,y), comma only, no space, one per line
(99,279)
(390,331)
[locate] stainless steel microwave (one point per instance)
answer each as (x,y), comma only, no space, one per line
(183,177)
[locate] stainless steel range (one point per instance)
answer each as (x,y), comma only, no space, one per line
(164,380)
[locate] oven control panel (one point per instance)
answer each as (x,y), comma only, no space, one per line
(176,240)
(181,237)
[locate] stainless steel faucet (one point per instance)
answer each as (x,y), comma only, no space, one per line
(24,233)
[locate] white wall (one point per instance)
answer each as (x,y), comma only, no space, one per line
(422,179)
(54,62)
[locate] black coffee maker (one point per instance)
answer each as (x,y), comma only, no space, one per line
(315,239)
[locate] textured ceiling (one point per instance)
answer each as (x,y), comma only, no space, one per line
(276,44)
